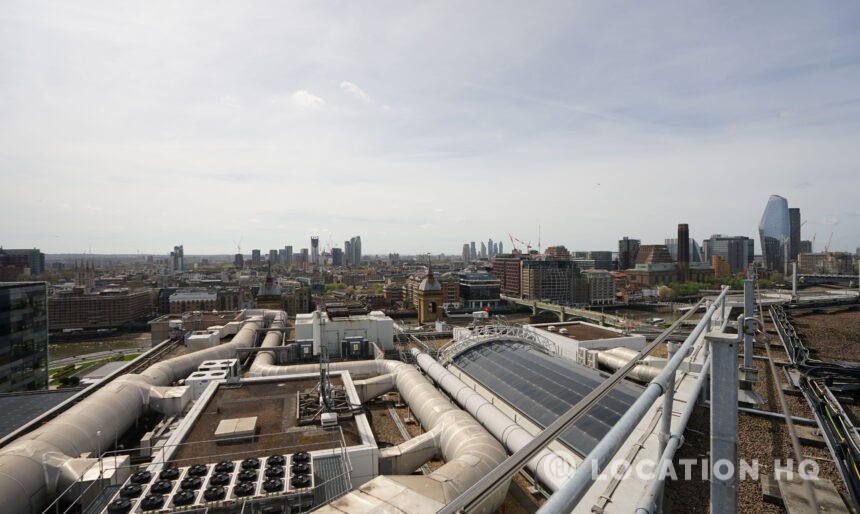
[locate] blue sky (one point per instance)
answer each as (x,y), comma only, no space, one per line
(134,127)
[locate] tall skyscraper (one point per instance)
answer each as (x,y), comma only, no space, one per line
(336,257)
(273,257)
(288,260)
(473,251)
(501,248)
(177,259)
(315,250)
(256,259)
(467,254)
(793,233)
(627,249)
(683,252)
(774,231)
(303,260)
(347,253)
(483,253)
(356,250)
(490,252)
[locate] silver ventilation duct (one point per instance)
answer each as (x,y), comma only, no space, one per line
(38,466)
(469,451)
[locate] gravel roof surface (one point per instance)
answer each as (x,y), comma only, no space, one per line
(832,336)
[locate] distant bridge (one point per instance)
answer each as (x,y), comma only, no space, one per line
(565,312)
(811,279)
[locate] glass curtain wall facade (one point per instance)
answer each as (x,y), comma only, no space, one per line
(23,336)
(774,233)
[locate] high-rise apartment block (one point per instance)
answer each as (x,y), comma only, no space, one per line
(177,259)
(336,257)
(352,251)
(256,258)
(288,250)
(304,258)
(315,250)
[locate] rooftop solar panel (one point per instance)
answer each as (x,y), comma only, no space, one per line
(543,387)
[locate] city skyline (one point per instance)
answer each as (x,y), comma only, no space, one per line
(132,128)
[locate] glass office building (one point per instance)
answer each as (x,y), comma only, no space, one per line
(774,233)
(23,336)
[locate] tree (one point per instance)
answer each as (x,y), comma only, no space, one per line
(666,292)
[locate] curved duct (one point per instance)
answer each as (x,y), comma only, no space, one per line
(39,465)
(469,451)
(614,359)
(551,468)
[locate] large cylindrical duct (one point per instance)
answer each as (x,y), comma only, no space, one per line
(28,465)
(469,451)
(551,468)
(643,372)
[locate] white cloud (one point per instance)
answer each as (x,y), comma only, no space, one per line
(230,102)
(305,100)
(355,91)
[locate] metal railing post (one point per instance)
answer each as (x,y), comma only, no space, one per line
(749,312)
(668,406)
(724,420)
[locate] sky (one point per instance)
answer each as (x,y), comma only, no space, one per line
(136,126)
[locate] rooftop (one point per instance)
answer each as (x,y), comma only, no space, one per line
(275,406)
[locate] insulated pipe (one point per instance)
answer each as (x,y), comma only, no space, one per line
(550,468)
(410,455)
(273,339)
(469,451)
(640,373)
(29,477)
(370,388)
(631,354)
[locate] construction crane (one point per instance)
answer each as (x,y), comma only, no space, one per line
(812,247)
(827,246)
(520,241)
(514,248)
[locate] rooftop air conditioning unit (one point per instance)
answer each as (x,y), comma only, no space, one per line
(328,419)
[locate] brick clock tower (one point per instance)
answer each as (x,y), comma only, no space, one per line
(429,298)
